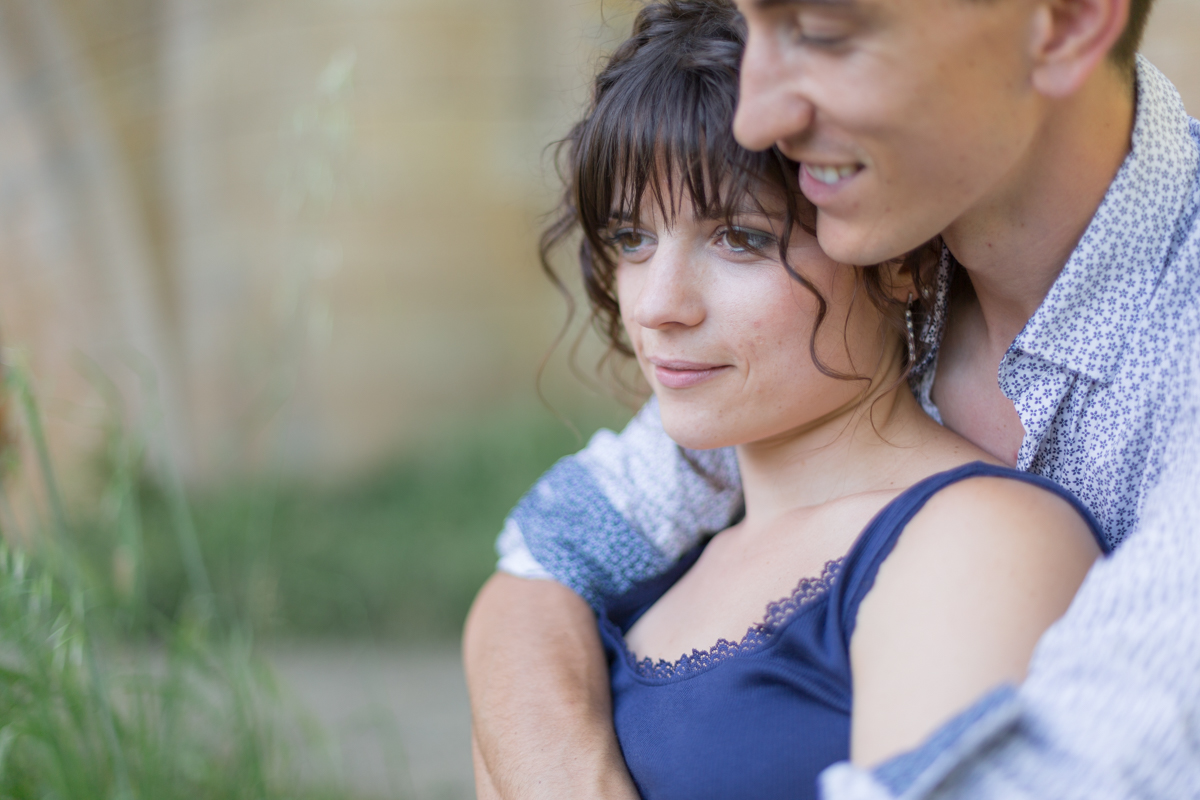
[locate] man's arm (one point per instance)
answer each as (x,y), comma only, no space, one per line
(1111,707)
(485,787)
(621,511)
(540,695)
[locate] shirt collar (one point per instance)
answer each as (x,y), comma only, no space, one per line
(1097,303)
(1111,275)
(934,325)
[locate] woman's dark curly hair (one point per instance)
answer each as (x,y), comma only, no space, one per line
(659,127)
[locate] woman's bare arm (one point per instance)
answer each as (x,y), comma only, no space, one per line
(957,609)
(540,698)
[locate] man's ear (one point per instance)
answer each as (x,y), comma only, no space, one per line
(898,278)
(900,273)
(1070,39)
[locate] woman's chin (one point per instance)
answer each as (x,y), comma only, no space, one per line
(696,435)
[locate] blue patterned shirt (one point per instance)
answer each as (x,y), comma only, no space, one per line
(1105,380)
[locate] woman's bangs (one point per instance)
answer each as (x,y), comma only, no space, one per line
(664,143)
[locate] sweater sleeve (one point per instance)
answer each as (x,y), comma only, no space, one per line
(620,511)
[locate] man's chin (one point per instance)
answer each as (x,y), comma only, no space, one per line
(866,242)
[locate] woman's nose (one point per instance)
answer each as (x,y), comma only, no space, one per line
(671,294)
(771,108)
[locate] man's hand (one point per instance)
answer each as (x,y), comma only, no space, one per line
(540,698)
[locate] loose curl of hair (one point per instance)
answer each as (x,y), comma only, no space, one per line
(659,128)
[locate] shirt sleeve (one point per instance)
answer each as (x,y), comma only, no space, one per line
(620,511)
(1111,707)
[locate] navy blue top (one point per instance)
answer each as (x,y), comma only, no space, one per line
(762,717)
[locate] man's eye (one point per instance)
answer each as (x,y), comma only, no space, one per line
(820,41)
(747,240)
(811,29)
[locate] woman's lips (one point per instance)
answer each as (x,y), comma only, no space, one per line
(684,374)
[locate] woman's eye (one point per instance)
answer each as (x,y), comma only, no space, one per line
(629,240)
(747,240)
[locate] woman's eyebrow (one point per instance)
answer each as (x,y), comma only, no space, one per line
(747,209)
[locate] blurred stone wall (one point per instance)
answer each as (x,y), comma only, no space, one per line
(307,226)
(83,295)
(310,224)
(356,189)
(1173,44)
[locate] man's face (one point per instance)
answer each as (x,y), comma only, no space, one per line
(907,115)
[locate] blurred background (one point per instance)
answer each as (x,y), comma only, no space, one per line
(270,269)
(291,247)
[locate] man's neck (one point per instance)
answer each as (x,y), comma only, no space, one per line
(1015,243)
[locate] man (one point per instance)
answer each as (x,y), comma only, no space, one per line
(1063,175)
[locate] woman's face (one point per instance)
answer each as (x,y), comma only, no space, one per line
(722,332)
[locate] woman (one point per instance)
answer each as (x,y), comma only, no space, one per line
(926,572)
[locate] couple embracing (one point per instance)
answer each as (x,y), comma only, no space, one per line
(915,508)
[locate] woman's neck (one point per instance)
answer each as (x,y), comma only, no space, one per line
(862,449)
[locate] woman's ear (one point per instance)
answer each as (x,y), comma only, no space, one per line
(1069,39)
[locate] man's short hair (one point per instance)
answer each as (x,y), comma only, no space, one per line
(1124,52)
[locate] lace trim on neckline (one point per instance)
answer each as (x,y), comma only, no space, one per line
(779,614)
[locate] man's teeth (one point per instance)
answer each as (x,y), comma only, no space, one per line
(831,174)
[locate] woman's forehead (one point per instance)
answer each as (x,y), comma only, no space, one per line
(676,196)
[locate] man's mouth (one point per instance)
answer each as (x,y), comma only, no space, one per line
(829,174)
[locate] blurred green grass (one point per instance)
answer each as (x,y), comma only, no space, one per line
(393,554)
(129,630)
(130,664)
(85,715)
(199,721)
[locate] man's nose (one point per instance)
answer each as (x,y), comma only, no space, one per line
(771,107)
(670,296)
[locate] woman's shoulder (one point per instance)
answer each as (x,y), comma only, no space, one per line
(988,502)
(977,517)
(974,494)
(978,574)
